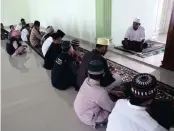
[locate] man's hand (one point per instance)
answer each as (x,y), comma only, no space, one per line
(119,94)
(118,91)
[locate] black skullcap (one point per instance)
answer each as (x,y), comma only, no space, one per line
(65,45)
(95,67)
(60,33)
(55,36)
(36,23)
(143,86)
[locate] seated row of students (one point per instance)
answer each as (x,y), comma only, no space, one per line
(21,25)
(7,35)
(14,47)
(94,106)
(101,48)
(94,80)
(35,36)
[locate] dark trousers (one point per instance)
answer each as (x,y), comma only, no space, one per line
(4,34)
(134,45)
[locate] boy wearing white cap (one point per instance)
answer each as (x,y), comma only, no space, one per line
(134,38)
(97,54)
(49,32)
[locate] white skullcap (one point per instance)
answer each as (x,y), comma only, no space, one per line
(136,20)
(103,41)
(49,29)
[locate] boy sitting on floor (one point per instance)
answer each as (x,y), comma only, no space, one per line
(64,72)
(35,36)
(52,48)
(93,104)
(14,47)
(25,33)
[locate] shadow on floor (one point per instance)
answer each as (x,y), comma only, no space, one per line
(18,62)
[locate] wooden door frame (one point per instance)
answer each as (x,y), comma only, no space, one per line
(168,60)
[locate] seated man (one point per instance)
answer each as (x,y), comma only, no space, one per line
(20,25)
(11,30)
(92,103)
(25,33)
(135,37)
(49,40)
(97,54)
(49,32)
(35,37)
(64,72)
(51,48)
(4,33)
(75,44)
(131,114)
(14,47)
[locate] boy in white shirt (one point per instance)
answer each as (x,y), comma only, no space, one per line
(135,37)
(131,115)
(19,26)
(25,33)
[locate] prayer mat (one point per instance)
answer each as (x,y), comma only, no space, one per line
(164,91)
(153,48)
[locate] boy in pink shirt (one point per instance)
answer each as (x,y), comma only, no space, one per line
(93,104)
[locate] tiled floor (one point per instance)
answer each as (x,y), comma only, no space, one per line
(161,38)
(30,103)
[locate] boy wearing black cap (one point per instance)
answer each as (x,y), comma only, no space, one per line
(64,71)
(93,104)
(131,115)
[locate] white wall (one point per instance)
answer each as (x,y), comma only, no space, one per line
(13,10)
(123,13)
(74,17)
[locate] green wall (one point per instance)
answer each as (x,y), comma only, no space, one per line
(103,18)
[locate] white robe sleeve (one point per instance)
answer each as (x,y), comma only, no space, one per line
(127,35)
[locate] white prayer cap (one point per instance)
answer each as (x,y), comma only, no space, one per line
(103,41)
(50,29)
(136,20)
